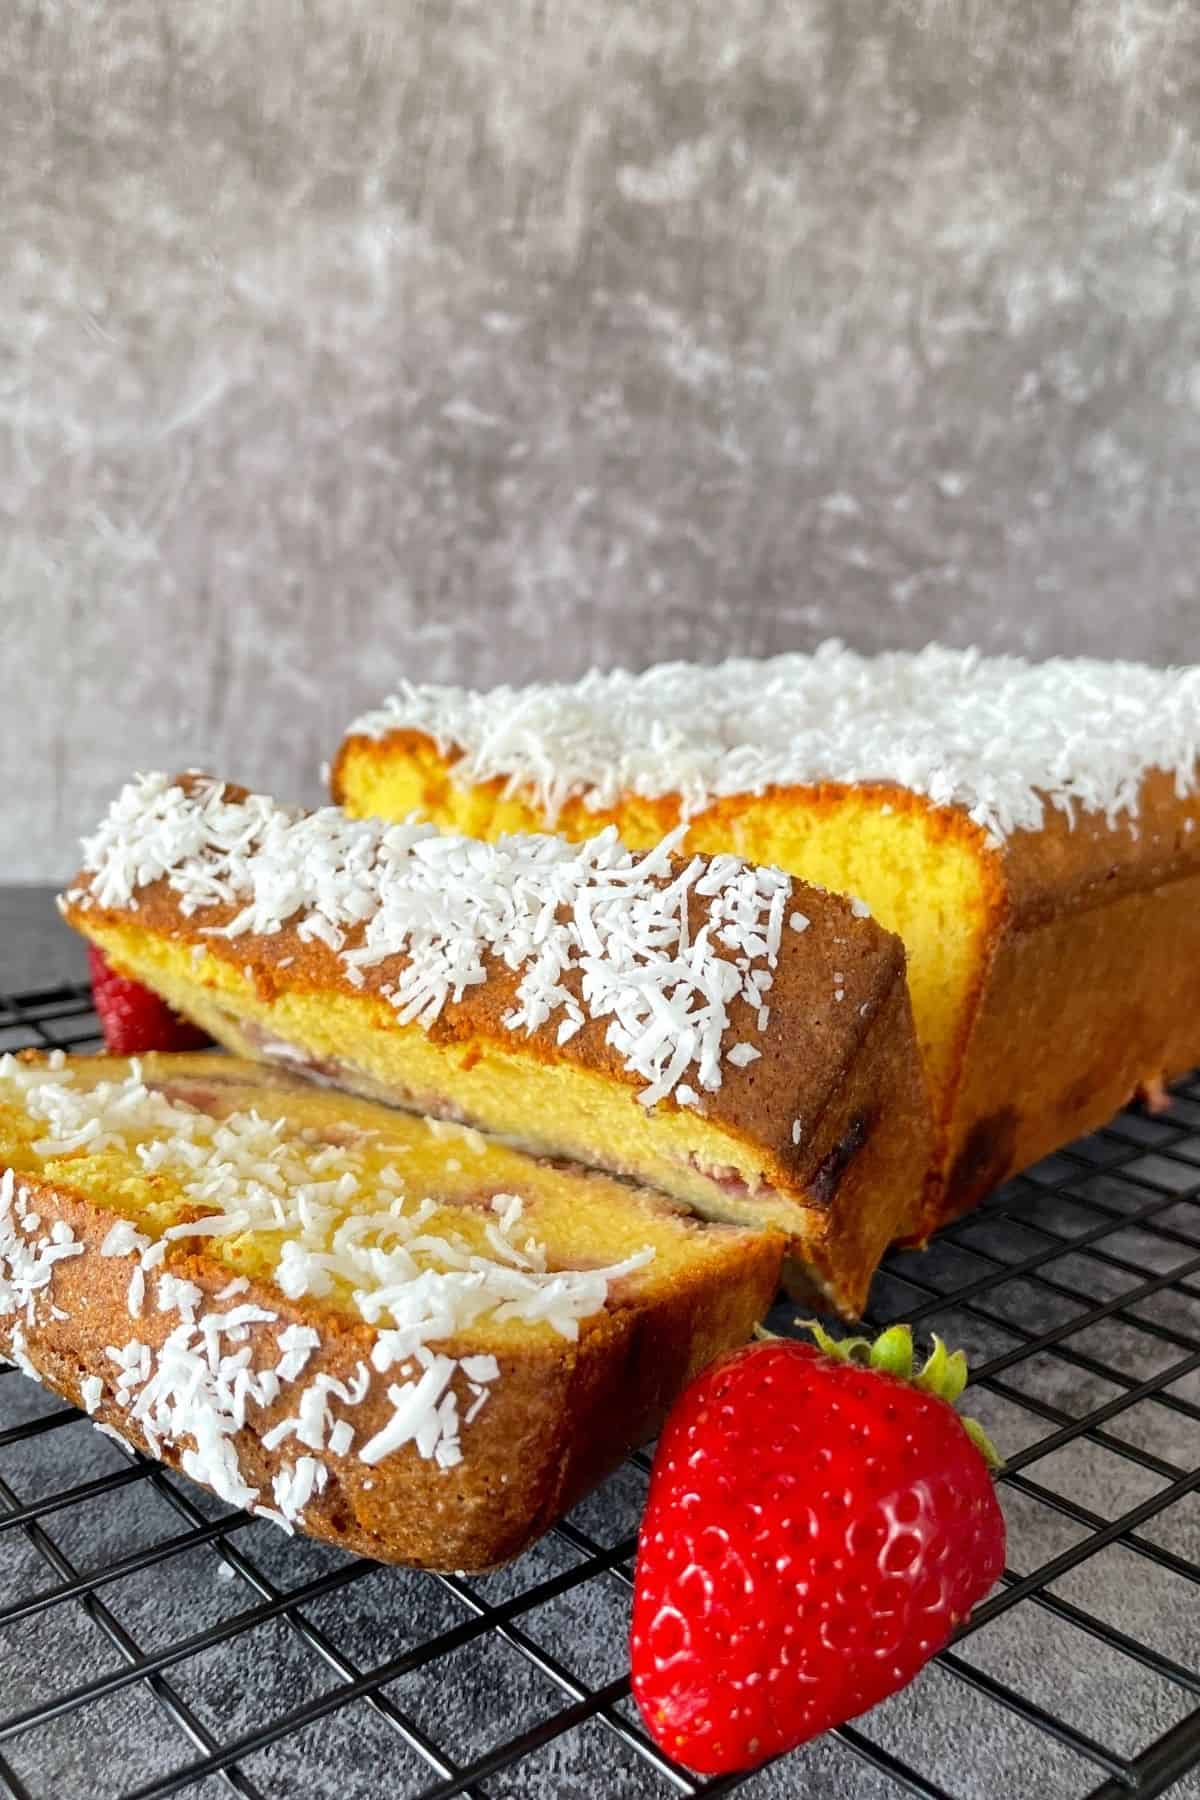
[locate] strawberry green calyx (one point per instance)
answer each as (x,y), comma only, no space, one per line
(943,1373)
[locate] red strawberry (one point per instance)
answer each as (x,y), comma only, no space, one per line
(133,1019)
(818,1523)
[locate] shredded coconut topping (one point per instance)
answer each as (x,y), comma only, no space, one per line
(997,736)
(326,1224)
(595,931)
(27,1255)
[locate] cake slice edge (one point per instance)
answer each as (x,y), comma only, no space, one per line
(559,1415)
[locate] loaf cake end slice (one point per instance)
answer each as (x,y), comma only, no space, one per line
(386,1331)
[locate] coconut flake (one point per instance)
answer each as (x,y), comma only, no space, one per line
(457,1133)
(27,1256)
(480,1368)
(297,1343)
(293,1488)
(137,1292)
(341,1438)
(123,1240)
(415,1416)
(214,1225)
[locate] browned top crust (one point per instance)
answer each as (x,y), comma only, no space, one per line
(1071,865)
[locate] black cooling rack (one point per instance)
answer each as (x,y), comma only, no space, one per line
(152,1642)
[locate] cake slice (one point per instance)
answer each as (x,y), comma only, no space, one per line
(1030,832)
(710,1029)
(386,1331)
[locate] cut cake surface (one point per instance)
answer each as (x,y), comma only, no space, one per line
(386,1331)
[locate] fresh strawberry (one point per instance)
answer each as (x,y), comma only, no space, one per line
(819,1521)
(132,1018)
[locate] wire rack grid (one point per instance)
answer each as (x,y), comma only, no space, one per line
(152,1642)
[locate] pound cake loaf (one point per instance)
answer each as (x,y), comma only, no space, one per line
(1028,830)
(385,1331)
(711,1029)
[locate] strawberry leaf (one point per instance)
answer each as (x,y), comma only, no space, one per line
(943,1373)
(982,1443)
(892,1352)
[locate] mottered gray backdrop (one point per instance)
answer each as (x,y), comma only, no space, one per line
(489,340)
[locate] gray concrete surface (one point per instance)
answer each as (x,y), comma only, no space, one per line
(340,339)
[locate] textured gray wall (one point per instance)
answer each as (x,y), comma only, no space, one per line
(346,337)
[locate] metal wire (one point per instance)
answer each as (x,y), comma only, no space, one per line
(1078,1286)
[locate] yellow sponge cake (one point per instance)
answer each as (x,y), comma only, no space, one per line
(714,1030)
(1028,830)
